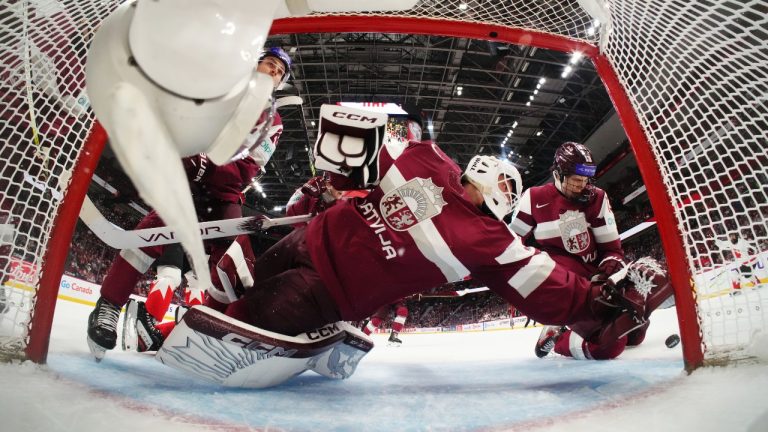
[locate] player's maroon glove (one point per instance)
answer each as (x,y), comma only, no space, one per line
(197,167)
(315,187)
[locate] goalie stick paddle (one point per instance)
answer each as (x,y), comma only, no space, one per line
(119,238)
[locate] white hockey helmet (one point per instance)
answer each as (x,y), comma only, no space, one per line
(498,181)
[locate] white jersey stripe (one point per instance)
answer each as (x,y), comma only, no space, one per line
(547,230)
(576,346)
(428,239)
(605,234)
(516,251)
(519,227)
(531,275)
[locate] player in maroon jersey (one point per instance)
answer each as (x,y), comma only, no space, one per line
(423,224)
(216,193)
(572,221)
(401,315)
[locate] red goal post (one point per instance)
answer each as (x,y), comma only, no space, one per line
(673,246)
(686,79)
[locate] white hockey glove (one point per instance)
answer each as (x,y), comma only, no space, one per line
(349,142)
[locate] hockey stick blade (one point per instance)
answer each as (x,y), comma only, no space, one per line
(119,238)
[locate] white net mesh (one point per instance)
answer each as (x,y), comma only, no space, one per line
(695,73)
(560,17)
(44,119)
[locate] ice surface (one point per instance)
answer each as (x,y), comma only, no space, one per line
(438,382)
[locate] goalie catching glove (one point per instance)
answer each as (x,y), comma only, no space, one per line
(609,266)
(349,142)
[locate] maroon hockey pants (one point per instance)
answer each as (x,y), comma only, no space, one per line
(287,296)
(123,274)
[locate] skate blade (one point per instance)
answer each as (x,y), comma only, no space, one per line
(130,335)
(97,350)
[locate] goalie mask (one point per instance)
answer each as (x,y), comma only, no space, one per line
(573,170)
(499,182)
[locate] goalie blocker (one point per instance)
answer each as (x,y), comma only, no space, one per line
(217,348)
(349,142)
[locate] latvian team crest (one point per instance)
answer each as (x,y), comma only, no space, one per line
(416,201)
(574,231)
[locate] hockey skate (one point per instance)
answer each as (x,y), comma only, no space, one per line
(102,328)
(394,340)
(139,331)
(179,313)
(4,302)
(547,339)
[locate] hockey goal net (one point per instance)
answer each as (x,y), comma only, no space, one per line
(688,78)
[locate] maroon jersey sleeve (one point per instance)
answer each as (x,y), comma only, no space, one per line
(603,225)
(418,230)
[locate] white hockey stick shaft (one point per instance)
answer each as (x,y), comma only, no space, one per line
(119,238)
(288,100)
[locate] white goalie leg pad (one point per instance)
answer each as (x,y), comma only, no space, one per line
(341,361)
(217,348)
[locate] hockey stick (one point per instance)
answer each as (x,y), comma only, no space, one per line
(288,100)
(119,238)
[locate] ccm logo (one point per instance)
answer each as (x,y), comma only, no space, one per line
(323,332)
(355,117)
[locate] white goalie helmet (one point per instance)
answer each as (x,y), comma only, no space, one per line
(498,181)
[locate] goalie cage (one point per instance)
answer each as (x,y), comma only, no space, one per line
(688,80)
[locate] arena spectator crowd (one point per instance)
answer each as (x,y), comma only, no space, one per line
(442,306)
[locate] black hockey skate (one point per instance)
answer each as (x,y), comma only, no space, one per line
(102,328)
(4,301)
(394,340)
(139,331)
(547,339)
